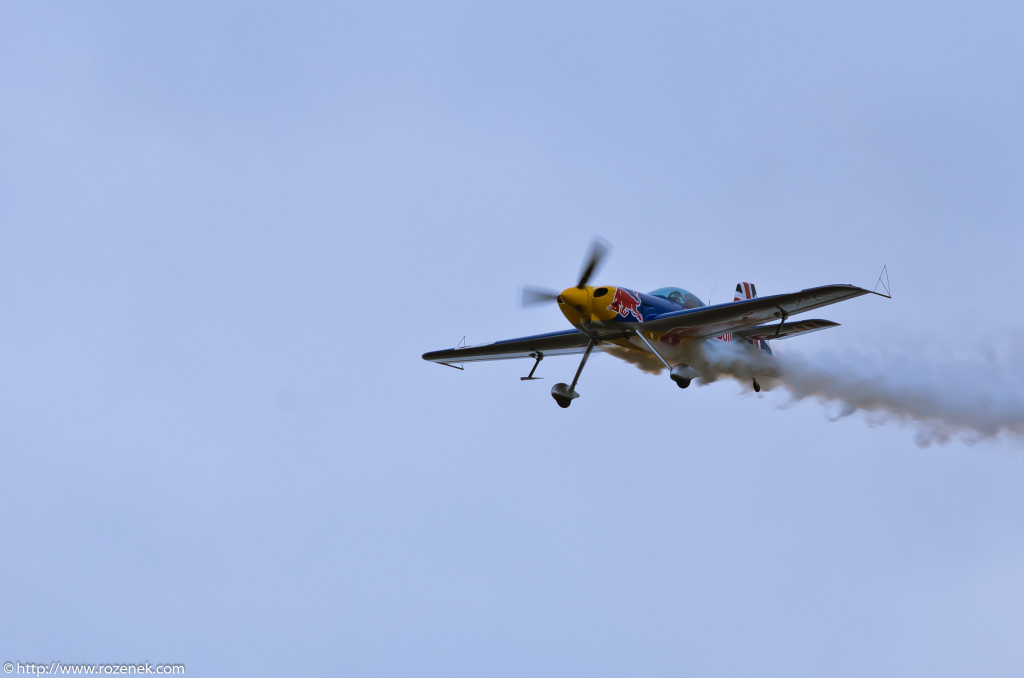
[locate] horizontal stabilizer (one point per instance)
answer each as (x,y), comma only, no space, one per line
(765,332)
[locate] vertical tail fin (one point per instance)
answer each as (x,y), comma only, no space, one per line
(746,290)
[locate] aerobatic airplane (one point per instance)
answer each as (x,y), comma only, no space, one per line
(669,325)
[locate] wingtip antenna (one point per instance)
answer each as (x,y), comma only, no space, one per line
(883,282)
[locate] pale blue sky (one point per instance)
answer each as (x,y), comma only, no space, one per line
(229,231)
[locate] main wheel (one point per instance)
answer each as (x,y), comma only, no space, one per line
(681,383)
(757,387)
(563,395)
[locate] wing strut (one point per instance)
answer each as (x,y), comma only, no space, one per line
(784,315)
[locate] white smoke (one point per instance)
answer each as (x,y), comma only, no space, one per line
(943,395)
(642,359)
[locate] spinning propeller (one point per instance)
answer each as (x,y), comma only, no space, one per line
(535,296)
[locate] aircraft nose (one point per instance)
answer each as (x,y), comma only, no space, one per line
(574,297)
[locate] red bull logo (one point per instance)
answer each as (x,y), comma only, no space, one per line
(626,304)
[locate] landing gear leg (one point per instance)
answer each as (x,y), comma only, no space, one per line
(564,394)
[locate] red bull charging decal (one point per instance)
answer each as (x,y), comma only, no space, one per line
(626,304)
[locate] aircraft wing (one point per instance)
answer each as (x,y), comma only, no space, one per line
(790,329)
(710,321)
(554,343)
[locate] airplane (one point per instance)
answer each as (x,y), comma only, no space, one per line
(668,327)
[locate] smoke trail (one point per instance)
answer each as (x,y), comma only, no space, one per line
(944,396)
(645,361)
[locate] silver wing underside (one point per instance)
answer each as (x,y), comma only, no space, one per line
(567,342)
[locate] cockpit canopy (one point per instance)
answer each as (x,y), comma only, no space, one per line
(678,295)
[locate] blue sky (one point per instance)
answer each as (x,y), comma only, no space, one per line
(227,234)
